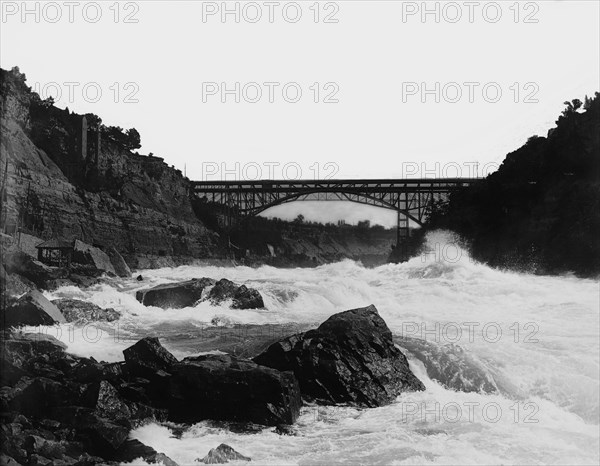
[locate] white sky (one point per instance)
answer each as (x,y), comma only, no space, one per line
(369,53)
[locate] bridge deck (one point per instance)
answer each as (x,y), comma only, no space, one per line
(410,197)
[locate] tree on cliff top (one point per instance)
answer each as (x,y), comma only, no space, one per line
(129,139)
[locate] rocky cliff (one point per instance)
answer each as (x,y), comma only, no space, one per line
(540,212)
(67,175)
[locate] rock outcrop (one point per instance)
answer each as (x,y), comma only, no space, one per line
(138,204)
(61,409)
(119,264)
(32,309)
(75,310)
(191,292)
(222,454)
(222,387)
(175,295)
(241,297)
(350,358)
(85,254)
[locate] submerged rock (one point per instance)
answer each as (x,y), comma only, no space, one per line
(222,454)
(76,310)
(350,358)
(33,309)
(450,365)
(222,387)
(191,292)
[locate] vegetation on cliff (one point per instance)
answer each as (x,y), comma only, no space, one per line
(540,212)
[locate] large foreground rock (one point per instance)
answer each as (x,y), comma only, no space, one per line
(225,388)
(61,409)
(350,358)
(76,310)
(190,292)
(33,309)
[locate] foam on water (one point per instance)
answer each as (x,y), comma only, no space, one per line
(538,336)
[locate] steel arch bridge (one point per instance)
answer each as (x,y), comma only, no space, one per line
(410,198)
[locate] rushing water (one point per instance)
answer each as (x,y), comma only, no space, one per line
(538,337)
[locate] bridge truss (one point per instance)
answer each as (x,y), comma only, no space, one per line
(410,198)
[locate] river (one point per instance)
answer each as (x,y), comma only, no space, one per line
(536,336)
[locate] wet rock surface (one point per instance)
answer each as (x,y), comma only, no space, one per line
(450,365)
(57,408)
(223,387)
(241,296)
(174,295)
(191,292)
(222,454)
(350,358)
(75,310)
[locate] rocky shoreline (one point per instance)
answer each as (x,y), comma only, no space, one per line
(62,409)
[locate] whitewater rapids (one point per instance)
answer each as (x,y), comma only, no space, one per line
(536,336)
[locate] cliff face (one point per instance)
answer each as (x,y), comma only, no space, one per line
(540,211)
(58,184)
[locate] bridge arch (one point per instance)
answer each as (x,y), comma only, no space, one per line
(341,196)
(411,198)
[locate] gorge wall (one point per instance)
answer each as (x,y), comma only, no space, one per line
(540,212)
(66,175)
(60,185)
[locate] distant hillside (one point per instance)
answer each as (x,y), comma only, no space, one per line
(540,212)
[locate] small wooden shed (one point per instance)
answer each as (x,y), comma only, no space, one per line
(55,252)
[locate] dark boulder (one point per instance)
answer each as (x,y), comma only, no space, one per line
(174,295)
(242,297)
(148,356)
(76,310)
(191,292)
(350,358)
(222,454)
(32,396)
(106,402)
(119,264)
(222,387)
(33,309)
